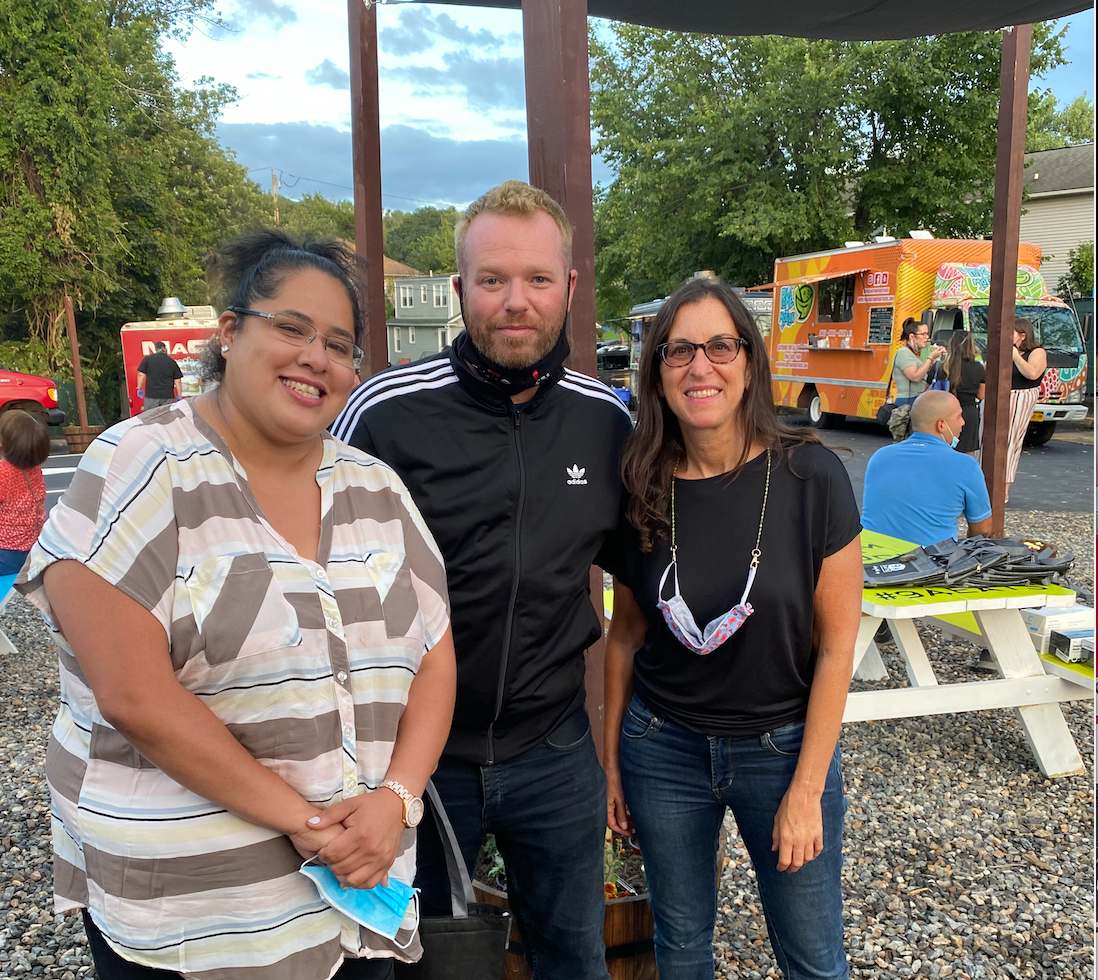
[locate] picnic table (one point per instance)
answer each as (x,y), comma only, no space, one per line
(989,616)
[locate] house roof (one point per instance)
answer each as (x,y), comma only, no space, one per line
(854,20)
(395,268)
(1067,169)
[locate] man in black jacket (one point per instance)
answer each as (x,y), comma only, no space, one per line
(513,461)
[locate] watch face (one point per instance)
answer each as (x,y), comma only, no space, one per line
(415,811)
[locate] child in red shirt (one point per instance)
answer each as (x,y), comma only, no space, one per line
(25,444)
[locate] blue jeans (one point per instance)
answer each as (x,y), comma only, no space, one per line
(677,784)
(547,809)
(11,562)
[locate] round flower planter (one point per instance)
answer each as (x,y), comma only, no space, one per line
(627,932)
(79,437)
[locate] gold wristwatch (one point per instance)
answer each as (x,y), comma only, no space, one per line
(413,805)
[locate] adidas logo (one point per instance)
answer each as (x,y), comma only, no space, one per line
(575,475)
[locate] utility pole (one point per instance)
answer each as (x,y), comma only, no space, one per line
(274,190)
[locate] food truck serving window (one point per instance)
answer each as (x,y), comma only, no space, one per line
(835,302)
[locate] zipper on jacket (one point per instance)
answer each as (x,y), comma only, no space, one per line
(509,623)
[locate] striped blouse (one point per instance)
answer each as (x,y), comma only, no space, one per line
(307,663)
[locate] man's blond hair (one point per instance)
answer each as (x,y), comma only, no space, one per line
(514,199)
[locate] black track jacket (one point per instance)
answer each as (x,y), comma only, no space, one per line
(522,500)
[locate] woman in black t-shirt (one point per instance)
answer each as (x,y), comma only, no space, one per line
(738,522)
(966,377)
(1030,363)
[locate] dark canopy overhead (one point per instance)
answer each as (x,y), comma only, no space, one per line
(847,20)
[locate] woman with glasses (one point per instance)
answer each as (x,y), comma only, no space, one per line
(731,645)
(255,656)
(909,373)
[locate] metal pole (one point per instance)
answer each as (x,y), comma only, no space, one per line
(1009,161)
(366,143)
(77,373)
(558,126)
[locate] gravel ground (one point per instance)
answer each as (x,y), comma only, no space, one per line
(962,861)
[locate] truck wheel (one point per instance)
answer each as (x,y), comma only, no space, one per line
(1038,433)
(31,408)
(818,417)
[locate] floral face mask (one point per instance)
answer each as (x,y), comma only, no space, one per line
(676,613)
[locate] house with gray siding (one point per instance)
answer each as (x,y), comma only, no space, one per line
(427,317)
(1058,210)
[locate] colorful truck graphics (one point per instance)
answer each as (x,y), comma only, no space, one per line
(838,314)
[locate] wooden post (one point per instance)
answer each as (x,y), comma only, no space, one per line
(1009,161)
(77,373)
(558,127)
(366,144)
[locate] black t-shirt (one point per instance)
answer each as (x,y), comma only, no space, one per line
(973,374)
(161,372)
(759,678)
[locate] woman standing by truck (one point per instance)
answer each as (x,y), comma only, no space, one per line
(1026,373)
(966,381)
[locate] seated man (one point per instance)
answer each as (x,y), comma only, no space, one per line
(915,489)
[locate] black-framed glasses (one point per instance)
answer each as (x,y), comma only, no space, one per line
(300,334)
(719,350)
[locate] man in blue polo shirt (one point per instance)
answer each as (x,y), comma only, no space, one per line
(915,490)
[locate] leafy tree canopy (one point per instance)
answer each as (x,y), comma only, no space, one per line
(423,239)
(1049,127)
(732,151)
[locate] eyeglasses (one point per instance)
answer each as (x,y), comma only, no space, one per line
(300,334)
(719,350)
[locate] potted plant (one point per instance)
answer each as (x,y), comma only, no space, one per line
(627,923)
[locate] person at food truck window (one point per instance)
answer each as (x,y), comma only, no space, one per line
(910,368)
(159,380)
(949,483)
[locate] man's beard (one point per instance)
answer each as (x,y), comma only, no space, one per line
(515,352)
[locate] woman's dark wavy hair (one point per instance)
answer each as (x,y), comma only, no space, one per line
(257,265)
(910,326)
(656,444)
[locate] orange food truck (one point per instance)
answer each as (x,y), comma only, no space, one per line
(185,330)
(837,318)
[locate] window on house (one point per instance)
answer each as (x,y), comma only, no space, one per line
(423,294)
(396,338)
(440,294)
(836,300)
(406,299)
(411,335)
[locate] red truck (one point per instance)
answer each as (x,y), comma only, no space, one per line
(32,394)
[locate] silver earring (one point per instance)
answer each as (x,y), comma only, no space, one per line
(224,347)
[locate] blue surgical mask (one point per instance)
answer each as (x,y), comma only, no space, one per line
(956,439)
(380,909)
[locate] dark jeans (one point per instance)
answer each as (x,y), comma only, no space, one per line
(110,966)
(11,561)
(678,784)
(547,809)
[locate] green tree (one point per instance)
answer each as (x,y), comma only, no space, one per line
(1079,280)
(115,186)
(1049,127)
(730,152)
(315,215)
(423,239)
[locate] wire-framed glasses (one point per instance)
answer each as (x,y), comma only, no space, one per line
(719,350)
(300,334)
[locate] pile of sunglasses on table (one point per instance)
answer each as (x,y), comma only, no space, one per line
(971,561)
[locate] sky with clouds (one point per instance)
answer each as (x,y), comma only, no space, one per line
(451,95)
